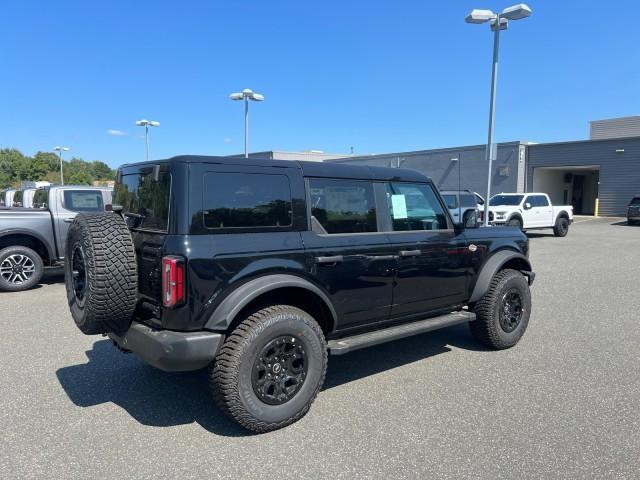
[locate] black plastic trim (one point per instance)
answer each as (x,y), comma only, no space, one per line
(243,295)
(491,267)
(168,350)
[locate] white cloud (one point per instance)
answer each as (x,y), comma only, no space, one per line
(227,140)
(116,133)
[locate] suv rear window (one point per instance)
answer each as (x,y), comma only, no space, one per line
(246,200)
(142,194)
(83,200)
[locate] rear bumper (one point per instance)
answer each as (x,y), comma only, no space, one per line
(168,350)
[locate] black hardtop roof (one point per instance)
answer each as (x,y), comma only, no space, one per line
(309,169)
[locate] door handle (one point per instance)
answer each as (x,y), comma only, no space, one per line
(332,259)
(67,220)
(409,253)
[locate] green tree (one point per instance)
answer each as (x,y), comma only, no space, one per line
(101,171)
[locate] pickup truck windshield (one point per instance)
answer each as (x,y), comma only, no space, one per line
(505,200)
(145,198)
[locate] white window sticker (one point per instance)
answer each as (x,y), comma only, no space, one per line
(399,205)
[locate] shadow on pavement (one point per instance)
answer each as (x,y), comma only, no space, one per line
(624,223)
(162,399)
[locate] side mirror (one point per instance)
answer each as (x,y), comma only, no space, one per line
(527,206)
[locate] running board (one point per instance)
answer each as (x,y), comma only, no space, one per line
(356,342)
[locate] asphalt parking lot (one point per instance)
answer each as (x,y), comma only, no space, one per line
(564,403)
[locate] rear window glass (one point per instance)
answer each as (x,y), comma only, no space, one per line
(242,200)
(635,201)
(17,199)
(40,198)
(342,206)
(83,200)
(145,198)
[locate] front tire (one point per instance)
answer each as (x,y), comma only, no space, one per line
(502,314)
(270,369)
(21,268)
(515,222)
(561,228)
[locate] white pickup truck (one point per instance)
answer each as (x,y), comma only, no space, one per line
(530,211)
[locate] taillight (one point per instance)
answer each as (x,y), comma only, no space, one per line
(173,285)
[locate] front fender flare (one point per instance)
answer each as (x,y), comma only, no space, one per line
(224,314)
(493,266)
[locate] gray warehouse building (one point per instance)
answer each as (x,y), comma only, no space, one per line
(599,175)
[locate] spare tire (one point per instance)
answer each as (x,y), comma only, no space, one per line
(101,274)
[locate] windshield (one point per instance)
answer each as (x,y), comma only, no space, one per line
(505,200)
(635,201)
(145,198)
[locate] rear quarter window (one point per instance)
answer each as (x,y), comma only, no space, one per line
(246,201)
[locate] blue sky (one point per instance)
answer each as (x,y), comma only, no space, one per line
(379,76)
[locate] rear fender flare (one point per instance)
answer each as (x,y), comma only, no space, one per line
(493,265)
(231,306)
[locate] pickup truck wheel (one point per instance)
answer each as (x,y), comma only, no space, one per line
(515,222)
(502,314)
(100,273)
(561,228)
(20,269)
(270,369)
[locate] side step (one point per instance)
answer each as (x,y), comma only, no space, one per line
(349,344)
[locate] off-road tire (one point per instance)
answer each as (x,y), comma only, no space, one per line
(230,374)
(486,328)
(35,264)
(111,276)
(561,228)
(515,222)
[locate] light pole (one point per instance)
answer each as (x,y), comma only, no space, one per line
(60,150)
(246,95)
(146,124)
(498,21)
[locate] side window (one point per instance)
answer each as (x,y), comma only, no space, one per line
(468,200)
(450,200)
(531,199)
(541,201)
(342,206)
(246,200)
(415,207)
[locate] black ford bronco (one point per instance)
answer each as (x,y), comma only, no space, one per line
(260,269)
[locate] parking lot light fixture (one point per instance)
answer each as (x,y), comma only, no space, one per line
(498,22)
(60,150)
(146,124)
(246,95)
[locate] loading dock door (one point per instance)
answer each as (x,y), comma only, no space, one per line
(569,185)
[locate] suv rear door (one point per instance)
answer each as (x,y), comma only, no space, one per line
(348,252)
(431,265)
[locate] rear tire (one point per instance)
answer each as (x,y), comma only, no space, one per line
(21,268)
(101,275)
(502,314)
(270,369)
(561,228)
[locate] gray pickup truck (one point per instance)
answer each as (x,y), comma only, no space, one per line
(34,238)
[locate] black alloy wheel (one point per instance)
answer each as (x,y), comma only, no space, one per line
(279,370)
(79,273)
(512,311)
